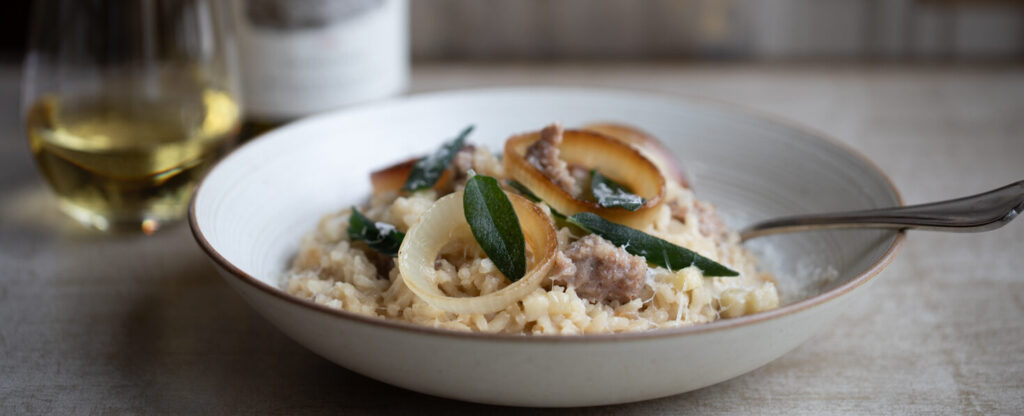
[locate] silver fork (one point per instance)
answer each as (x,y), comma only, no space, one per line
(981,212)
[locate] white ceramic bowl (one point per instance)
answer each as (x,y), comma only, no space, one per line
(252,209)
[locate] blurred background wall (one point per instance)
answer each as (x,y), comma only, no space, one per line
(690,29)
(724,29)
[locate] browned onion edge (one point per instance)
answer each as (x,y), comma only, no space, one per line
(517,167)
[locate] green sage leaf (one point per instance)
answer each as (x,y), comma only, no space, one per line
(560,219)
(609,193)
(381,237)
(426,172)
(657,251)
(523,190)
(495,225)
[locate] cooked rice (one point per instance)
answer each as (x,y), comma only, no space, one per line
(335,272)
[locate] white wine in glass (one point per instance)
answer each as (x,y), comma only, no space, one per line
(129,106)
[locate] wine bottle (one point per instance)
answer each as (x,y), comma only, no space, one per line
(301,57)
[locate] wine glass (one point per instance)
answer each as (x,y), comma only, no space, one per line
(128,103)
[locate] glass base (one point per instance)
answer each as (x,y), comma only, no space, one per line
(146,222)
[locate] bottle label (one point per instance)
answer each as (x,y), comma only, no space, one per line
(301,57)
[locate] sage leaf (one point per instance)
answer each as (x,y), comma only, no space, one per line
(609,193)
(657,251)
(495,225)
(560,219)
(523,190)
(426,172)
(381,237)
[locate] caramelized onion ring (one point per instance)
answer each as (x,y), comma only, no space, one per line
(393,177)
(613,158)
(444,222)
(651,147)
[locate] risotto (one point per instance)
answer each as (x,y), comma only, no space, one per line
(590,281)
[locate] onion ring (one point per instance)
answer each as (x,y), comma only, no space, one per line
(618,160)
(651,147)
(444,222)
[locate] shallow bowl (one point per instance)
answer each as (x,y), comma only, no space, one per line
(251,211)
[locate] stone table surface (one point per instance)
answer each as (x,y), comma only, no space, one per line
(98,324)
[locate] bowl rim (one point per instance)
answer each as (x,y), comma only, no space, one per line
(718,325)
